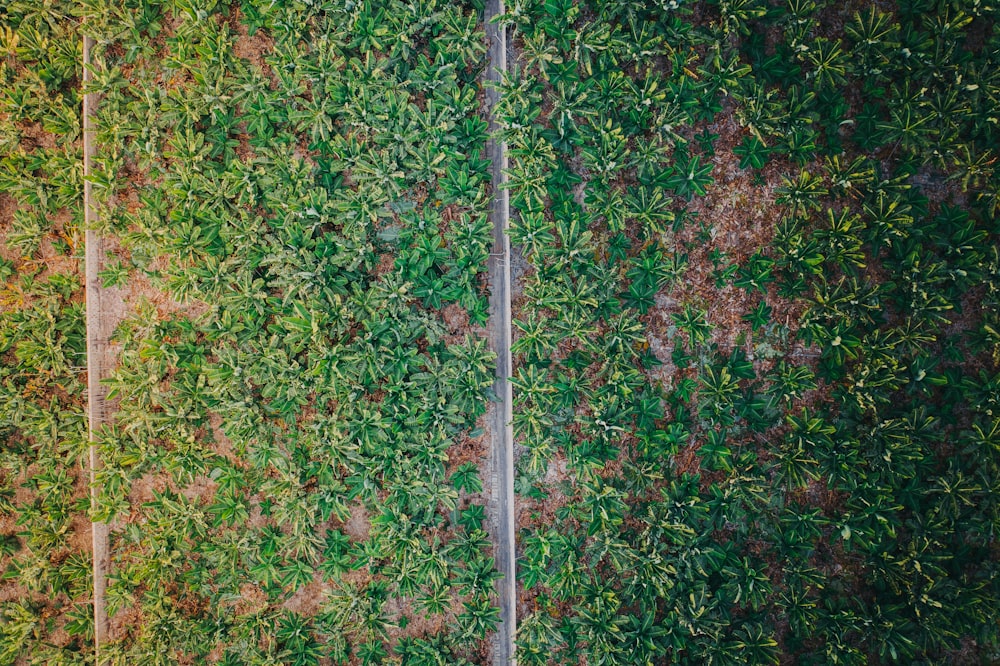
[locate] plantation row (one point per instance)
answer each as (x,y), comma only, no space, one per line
(755,332)
(45,592)
(698,487)
(294,465)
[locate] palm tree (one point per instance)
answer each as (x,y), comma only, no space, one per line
(600,622)
(357,610)
(479,617)
(538,637)
(642,639)
(803,194)
(466,477)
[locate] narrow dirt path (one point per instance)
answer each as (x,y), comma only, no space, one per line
(502,434)
(100,357)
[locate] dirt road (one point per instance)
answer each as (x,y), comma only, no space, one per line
(503,440)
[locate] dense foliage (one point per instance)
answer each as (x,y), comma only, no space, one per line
(301,197)
(748,500)
(44,533)
(757,331)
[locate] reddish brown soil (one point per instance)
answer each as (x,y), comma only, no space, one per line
(308,599)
